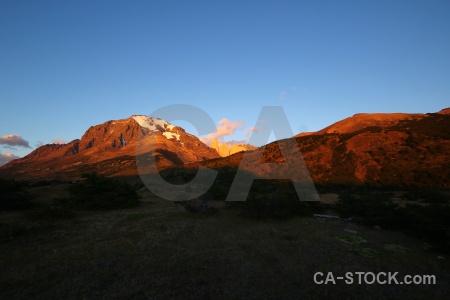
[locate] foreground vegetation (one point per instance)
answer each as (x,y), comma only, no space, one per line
(263,248)
(426,216)
(97,192)
(424,213)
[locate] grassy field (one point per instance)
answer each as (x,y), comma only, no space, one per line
(158,250)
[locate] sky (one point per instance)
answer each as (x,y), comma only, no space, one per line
(68,65)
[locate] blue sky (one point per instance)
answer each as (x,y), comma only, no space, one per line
(67,65)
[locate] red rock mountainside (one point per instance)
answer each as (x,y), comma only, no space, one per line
(110,149)
(401,150)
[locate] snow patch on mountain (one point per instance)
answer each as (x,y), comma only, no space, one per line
(150,123)
(156,124)
(171,135)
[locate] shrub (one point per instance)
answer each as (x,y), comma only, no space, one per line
(13,196)
(430,222)
(370,207)
(98,192)
(427,196)
(277,199)
(435,197)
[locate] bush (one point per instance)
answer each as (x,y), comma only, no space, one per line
(371,208)
(13,196)
(435,197)
(429,222)
(427,196)
(98,192)
(277,199)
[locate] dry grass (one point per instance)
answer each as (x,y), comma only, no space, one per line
(160,251)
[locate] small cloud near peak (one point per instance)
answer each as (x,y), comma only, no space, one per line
(226,128)
(14,140)
(59,141)
(4,158)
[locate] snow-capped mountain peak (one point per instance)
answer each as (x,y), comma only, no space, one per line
(157,124)
(151,123)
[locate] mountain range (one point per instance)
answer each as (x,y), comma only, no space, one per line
(111,149)
(381,149)
(385,150)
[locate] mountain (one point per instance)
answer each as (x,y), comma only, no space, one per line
(445,111)
(363,120)
(226,149)
(111,149)
(398,150)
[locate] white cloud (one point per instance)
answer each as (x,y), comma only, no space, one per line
(234,142)
(226,128)
(4,158)
(14,140)
(59,141)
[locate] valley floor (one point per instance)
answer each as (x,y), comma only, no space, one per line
(160,251)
